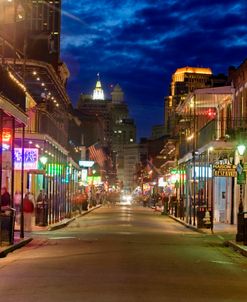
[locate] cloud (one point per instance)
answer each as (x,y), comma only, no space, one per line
(139,44)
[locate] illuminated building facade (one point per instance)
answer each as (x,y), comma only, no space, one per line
(123,130)
(238,76)
(98,93)
(95,108)
(30,49)
(110,123)
(135,158)
(184,81)
(12,121)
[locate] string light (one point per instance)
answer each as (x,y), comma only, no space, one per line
(17,82)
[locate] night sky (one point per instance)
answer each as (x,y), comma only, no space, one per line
(140,43)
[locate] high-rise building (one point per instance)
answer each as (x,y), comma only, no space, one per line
(95,107)
(123,129)
(135,158)
(98,93)
(184,81)
(111,124)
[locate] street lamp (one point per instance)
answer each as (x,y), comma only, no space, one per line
(210,174)
(241,149)
(43,159)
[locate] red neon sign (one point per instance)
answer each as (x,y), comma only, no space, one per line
(6,135)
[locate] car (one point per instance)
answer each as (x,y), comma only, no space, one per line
(126,199)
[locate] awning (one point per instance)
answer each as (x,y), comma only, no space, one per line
(11,109)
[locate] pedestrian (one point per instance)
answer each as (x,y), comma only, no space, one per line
(5,197)
(17,205)
(40,197)
(28,208)
(31,196)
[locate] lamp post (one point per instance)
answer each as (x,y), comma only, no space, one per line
(241,181)
(43,209)
(43,159)
(210,173)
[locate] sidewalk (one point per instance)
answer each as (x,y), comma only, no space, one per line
(18,243)
(225,232)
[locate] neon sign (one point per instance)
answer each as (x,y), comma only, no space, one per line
(6,147)
(31,156)
(54,169)
(86,163)
(6,136)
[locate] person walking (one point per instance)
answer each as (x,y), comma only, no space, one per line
(28,208)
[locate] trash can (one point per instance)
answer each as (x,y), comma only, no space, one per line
(41,214)
(7,225)
(200,216)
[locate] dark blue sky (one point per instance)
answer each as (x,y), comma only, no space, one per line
(140,43)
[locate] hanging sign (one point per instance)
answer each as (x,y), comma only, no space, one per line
(225,170)
(241,179)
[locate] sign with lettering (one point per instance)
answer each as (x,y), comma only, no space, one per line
(31,157)
(225,170)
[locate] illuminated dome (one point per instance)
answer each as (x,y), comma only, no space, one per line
(98,93)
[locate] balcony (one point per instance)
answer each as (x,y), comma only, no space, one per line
(212,131)
(207,134)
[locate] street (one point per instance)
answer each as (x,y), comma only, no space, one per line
(123,254)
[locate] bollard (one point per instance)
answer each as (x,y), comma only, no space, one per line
(240,227)
(245,229)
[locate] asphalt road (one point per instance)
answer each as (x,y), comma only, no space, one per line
(123,254)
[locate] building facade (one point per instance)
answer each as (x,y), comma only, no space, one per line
(30,51)
(111,125)
(184,81)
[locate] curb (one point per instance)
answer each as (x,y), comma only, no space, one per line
(229,243)
(187,225)
(14,247)
(64,224)
(236,247)
(5,251)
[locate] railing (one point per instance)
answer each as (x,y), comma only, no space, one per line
(229,129)
(47,125)
(207,134)
(50,127)
(185,147)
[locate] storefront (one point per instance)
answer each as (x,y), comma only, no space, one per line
(45,174)
(12,120)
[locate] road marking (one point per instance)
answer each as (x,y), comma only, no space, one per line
(221,262)
(126,233)
(58,238)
